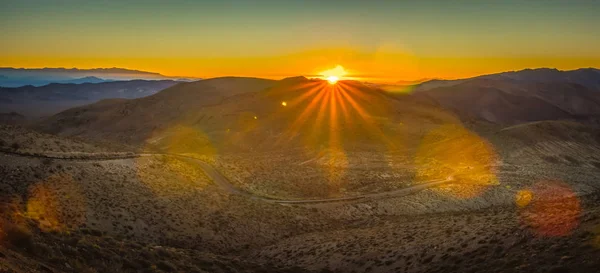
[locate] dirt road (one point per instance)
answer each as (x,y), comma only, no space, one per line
(224,183)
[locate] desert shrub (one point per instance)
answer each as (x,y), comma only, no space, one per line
(131,264)
(80,266)
(551,159)
(166,266)
(15,146)
(46,161)
(19,236)
(95,232)
(42,250)
(163,253)
(572,160)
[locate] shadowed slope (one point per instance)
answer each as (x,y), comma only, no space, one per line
(507,102)
(132,121)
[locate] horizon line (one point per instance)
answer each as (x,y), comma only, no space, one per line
(366,78)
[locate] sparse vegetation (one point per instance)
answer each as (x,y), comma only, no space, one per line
(15,146)
(89,208)
(18,235)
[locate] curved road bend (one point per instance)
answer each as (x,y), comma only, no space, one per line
(224,183)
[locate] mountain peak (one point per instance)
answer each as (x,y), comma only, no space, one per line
(294,79)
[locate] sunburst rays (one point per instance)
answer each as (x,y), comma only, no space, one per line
(329,117)
(328,110)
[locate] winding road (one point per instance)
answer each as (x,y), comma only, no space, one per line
(225,185)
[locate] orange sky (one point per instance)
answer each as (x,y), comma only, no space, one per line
(375,40)
(379,66)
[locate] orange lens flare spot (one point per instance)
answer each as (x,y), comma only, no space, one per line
(283,103)
(523,198)
(452,152)
(554,209)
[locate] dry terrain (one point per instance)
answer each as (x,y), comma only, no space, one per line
(163,213)
(254,175)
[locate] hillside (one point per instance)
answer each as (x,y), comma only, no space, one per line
(74,214)
(163,213)
(236,104)
(134,121)
(331,141)
(323,133)
(518,97)
(588,77)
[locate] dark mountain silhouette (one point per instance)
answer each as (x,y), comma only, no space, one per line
(588,77)
(52,98)
(517,97)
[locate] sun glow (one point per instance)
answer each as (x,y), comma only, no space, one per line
(332,79)
(335,74)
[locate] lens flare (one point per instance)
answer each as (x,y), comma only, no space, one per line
(553,209)
(523,198)
(453,152)
(57,203)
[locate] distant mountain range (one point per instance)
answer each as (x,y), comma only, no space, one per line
(519,96)
(588,77)
(16,77)
(49,99)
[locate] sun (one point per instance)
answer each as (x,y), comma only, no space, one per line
(332,79)
(334,75)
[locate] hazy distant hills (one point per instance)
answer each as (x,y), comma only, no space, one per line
(52,98)
(588,77)
(521,96)
(16,77)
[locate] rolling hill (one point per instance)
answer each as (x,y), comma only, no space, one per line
(251,110)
